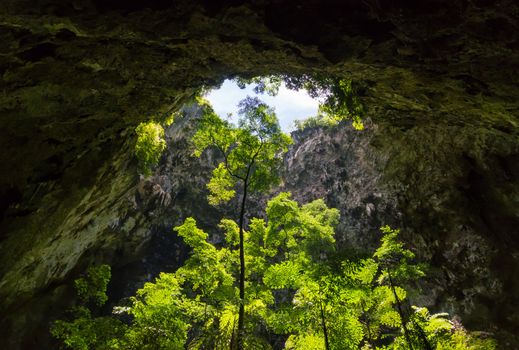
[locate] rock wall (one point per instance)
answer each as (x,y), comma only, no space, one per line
(426,180)
(382,175)
(435,184)
(438,79)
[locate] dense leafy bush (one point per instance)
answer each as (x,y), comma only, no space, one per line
(275,278)
(293,291)
(150,145)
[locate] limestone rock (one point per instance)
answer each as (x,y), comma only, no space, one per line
(438,79)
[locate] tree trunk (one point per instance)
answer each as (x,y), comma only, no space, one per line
(423,336)
(325,330)
(241,314)
(400,311)
(370,340)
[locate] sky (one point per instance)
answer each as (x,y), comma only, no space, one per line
(288,104)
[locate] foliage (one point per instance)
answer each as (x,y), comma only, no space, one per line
(395,259)
(340,103)
(252,155)
(338,99)
(158,321)
(221,186)
(442,333)
(252,151)
(92,287)
(150,145)
(269,84)
(304,342)
(85,331)
(294,290)
(358,306)
(169,118)
(198,304)
(279,251)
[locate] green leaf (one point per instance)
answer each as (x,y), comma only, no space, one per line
(92,287)
(221,186)
(150,145)
(192,235)
(282,275)
(390,318)
(231,230)
(305,342)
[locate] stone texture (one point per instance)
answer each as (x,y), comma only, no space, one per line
(438,79)
(434,183)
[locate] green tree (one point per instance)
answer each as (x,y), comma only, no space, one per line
(209,278)
(338,98)
(397,266)
(149,145)
(252,154)
(84,331)
(294,289)
(278,251)
(158,321)
(297,242)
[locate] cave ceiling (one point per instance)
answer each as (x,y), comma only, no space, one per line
(78,76)
(77,72)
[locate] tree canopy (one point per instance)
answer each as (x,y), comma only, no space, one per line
(294,293)
(252,155)
(252,151)
(276,281)
(339,100)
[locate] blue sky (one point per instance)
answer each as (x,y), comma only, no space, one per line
(289,105)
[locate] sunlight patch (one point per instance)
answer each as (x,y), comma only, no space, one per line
(290,105)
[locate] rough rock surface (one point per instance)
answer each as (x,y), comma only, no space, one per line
(439,195)
(438,79)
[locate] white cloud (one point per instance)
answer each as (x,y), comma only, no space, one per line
(289,104)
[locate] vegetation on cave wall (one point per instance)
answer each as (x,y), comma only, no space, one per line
(439,80)
(296,292)
(150,145)
(297,288)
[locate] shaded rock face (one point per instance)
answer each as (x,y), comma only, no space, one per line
(433,184)
(438,80)
(340,166)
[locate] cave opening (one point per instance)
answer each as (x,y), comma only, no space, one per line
(290,105)
(435,83)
